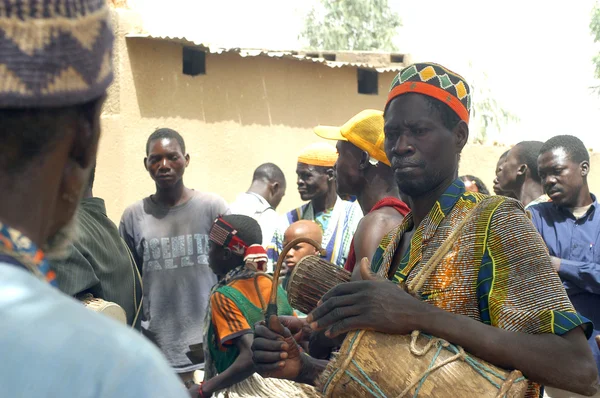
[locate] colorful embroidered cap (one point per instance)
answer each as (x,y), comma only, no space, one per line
(319,154)
(365,130)
(54,52)
(435,81)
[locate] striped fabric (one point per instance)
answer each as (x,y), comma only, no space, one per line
(98,261)
(498,272)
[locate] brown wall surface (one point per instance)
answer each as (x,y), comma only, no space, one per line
(243,112)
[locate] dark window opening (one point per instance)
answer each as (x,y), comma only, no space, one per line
(368,81)
(194,61)
(329,57)
(396,58)
(312,55)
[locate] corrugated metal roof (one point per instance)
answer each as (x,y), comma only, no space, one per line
(381,62)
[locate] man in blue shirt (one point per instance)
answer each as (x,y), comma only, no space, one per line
(570,226)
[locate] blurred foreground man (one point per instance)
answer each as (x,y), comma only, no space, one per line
(55,67)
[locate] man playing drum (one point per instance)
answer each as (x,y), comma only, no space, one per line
(495,292)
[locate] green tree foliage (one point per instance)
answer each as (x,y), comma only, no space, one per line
(595,29)
(352,25)
(487,113)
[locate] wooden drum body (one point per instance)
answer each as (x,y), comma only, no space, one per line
(310,279)
(372,364)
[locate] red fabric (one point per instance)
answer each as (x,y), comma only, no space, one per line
(390,201)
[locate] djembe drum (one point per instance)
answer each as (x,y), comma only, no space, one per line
(428,367)
(310,279)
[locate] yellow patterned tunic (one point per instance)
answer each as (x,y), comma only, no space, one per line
(498,271)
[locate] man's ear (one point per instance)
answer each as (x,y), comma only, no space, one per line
(227,253)
(274,187)
(364,161)
(461,135)
(146,164)
(330,174)
(585,168)
(522,170)
(187,160)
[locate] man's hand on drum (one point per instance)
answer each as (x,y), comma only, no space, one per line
(274,350)
(276,354)
(373,304)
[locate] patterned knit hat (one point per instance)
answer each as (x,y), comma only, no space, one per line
(54,52)
(435,81)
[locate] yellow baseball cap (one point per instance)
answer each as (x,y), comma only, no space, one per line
(365,130)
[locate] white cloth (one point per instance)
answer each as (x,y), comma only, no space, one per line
(253,205)
(52,346)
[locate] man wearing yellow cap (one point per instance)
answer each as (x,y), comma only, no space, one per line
(337,218)
(465,267)
(363,170)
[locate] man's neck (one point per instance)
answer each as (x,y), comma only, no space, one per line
(259,188)
(421,206)
(173,196)
(28,215)
(375,189)
(530,191)
(584,198)
(325,202)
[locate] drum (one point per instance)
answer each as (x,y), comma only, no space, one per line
(373,364)
(311,278)
(110,309)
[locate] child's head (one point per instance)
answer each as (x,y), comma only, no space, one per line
(230,235)
(301,229)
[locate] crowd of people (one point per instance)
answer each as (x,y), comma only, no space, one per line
(512,278)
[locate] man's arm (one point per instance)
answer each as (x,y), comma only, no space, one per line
(585,275)
(383,306)
(241,369)
(371,230)
(130,243)
(533,321)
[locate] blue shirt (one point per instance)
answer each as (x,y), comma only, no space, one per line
(52,346)
(577,243)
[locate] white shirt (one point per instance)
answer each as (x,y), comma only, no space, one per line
(52,346)
(253,205)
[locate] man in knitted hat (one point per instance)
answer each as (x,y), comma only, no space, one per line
(55,66)
(337,218)
(363,170)
(490,288)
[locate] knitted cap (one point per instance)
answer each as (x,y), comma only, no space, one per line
(319,154)
(54,52)
(435,81)
(364,130)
